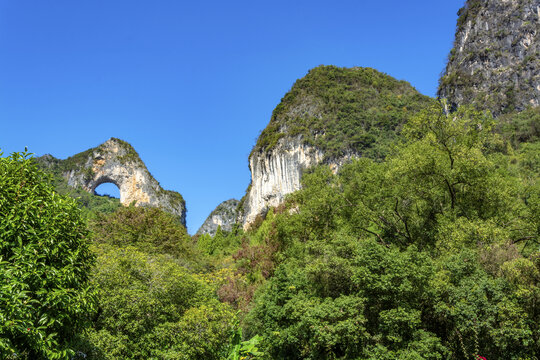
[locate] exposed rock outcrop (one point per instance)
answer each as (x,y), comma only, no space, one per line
(495,62)
(277,173)
(224,216)
(329,116)
(115,161)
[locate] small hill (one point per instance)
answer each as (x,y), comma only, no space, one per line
(341,111)
(330,115)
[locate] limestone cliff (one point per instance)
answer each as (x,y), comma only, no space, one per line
(224,215)
(115,161)
(277,173)
(329,116)
(495,61)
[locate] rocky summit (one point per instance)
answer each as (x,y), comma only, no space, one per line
(334,114)
(495,61)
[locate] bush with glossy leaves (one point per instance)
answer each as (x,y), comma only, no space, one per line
(45,263)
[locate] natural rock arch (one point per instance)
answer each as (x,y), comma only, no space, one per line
(115,161)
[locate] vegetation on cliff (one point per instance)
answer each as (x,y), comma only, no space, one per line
(78,161)
(343,111)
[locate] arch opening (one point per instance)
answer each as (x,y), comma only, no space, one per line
(108,189)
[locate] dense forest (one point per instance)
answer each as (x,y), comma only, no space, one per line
(430,253)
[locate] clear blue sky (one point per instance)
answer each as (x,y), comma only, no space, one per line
(190,84)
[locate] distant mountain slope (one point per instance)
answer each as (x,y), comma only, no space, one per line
(224,216)
(341,111)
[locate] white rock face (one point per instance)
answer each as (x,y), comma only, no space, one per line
(115,161)
(276,174)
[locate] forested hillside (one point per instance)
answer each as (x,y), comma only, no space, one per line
(432,253)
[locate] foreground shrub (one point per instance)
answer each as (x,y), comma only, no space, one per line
(151,306)
(45,263)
